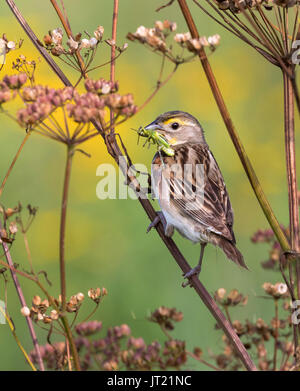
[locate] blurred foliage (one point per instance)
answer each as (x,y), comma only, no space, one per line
(107,243)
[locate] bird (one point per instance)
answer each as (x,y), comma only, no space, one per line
(190,188)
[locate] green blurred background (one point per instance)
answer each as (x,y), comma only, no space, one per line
(107,243)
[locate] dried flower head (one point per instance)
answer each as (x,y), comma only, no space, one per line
(233,298)
(94,294)
(278,290)
(88,328)
(165,317)
(14,82)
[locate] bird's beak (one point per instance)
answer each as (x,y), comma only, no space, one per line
(154,126)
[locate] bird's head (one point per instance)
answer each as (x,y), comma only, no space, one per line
(178,128)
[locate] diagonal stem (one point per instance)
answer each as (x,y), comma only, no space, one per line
(22,301)
(14,162)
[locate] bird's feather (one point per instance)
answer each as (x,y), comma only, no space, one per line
(210,207)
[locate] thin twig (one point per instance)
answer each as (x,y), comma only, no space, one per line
(276,335)
(12,328)
(204,361)
(14,161)
(113,55)
(23,302)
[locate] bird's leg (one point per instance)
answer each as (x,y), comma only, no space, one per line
(196,270)
(169,229)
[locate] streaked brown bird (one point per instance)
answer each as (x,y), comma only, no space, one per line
(190,188)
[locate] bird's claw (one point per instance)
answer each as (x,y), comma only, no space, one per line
(193,272)
(158,218)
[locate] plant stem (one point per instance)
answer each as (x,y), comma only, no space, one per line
(23,302)
(261,197)
(62,264)
(113,54)
(289,130)
(70,35)
(12,328)
(64,205)
(276,335)
(14,161)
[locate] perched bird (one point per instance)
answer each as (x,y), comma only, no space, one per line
(190,188)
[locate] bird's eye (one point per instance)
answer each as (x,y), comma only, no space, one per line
(175,125)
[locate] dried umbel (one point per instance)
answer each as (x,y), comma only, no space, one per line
(233,298)
(156,38)
(77,51)
(5,93)
(54,42)
(235,6)
(88,328)
(275,260)
(277,291)
(42,104)
(7,46)
(15,82)
(165,317)
(23,65)
(101,86)
(194,45)
(268,26)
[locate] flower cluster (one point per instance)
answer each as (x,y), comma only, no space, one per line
(166,316)
(41,102)
(233,298)
(267,236)
(236,6)
(5,93)
(88,328)
(118,349)
(101,86)
(42,310)
(54,42)
(277,290)
(156,39)
(75,302)
(194,45)
(15,82)
(37,312)
(55,355)
(97,294)
(7,46)
(9,226)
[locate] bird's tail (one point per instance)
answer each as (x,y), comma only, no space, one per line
(231,251)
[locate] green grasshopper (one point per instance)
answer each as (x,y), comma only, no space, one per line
(155,138)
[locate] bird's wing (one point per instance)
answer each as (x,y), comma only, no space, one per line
(200,193)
